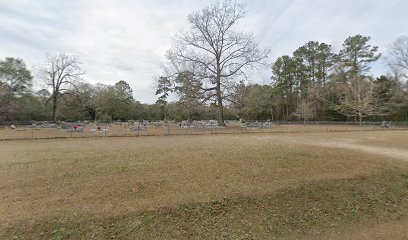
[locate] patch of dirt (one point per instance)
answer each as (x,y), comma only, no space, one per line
(350,143)
(395,230)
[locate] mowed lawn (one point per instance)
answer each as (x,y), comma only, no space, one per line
(244,186)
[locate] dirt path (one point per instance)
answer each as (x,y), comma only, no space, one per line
(352,144)
(395,230)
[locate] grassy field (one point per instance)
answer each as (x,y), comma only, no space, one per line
(312,185)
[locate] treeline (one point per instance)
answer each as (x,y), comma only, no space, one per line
(72,98)
(314,83)
(206,69)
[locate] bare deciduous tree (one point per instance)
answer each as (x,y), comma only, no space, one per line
(355,88)
(398,56)
(222,52)
(59,72)
(355,94)
(305,110)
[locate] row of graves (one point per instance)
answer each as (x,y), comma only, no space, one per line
(199,124)
(80,127)
(138,126)
(95,127)
(43,125)
(35,125)
(257,125)
(38,125)
(141,126)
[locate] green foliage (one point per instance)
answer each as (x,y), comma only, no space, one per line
(301,78)
(357,54)
(252,102)
(314,82)
(164,88)
(124,91)
(15,76)
(15,82)
(115,102)
(313,61)
(391,98)
(354,87)
(284,84)
(188,88)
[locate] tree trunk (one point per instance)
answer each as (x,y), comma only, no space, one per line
(165,113)
(93,115)
(189,115)
(360,118)
(220,105)
(272,114)
(54,108)
(189,110)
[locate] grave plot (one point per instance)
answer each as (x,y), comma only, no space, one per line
(199,124)
(100,129)
(211,124)
(139,128)
(257,125)
(186,124)
(72,127)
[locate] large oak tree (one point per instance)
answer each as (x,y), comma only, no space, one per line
(222,51)
(60,73)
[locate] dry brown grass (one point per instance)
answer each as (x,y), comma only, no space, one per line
(110,177)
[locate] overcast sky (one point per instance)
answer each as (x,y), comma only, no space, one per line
(127,39)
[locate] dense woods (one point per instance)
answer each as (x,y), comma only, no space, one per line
(206,71)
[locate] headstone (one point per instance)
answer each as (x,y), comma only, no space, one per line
(267,125)
(66,126)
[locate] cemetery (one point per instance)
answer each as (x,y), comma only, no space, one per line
(86,129)
(193,120)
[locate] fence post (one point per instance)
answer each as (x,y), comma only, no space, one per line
(32,132)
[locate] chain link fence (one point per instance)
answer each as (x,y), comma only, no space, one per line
(135,129)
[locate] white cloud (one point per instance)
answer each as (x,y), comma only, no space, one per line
(127,39)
